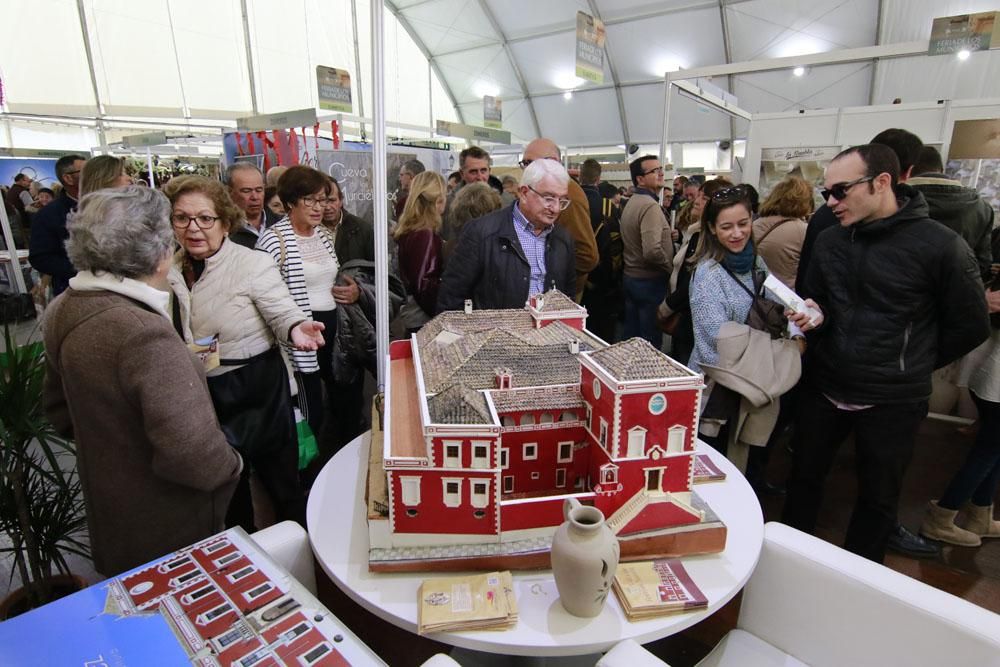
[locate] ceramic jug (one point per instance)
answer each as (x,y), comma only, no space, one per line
(584,559)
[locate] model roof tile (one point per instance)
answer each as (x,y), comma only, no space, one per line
(554,300)
(559,399)
(459,405)
(636,359)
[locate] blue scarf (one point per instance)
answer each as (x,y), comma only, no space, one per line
(740,262)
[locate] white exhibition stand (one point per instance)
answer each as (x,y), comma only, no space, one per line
(338,532)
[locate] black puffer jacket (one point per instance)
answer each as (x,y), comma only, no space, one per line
(489,265)
(901,297)
(355,345)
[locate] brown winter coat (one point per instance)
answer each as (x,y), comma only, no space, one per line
(781,245)
(156,470)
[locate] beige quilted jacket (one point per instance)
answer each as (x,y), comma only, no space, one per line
(241,297)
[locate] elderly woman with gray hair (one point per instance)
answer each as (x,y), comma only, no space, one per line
(156,470)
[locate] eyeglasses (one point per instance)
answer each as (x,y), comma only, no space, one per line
(658,170)
(551,200)
(183,221)
(523,164)
(731,195)
(313,202)
(839,190)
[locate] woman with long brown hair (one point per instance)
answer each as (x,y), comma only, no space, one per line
(418,238)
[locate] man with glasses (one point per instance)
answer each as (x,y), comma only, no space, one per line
(513,253)
(648,252)
(901,296)
(246,189)
(575,218)
(47,250)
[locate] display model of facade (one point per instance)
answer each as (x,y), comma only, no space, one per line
(495,417)
(227,605)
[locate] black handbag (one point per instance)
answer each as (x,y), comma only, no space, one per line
(16,307)
(764,315)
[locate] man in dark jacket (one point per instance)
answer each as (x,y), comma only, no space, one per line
(47,250)
(959,208)
(246,189)
(901,296)
(503,258)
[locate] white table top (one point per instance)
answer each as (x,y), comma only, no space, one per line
(338,531)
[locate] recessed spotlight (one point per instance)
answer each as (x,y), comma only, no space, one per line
(568,95)
(799,71)
(964,54)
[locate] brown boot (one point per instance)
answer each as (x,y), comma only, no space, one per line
(979,520)
(939,524)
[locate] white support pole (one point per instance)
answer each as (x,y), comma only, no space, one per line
(666,121)
(149,164)
(17,278)
(380,194)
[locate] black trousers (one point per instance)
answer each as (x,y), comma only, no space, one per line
(979,477)
(883,437)
(310,385)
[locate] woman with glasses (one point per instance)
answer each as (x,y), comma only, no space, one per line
(233,299)
(303,249)
(156,470)
(418,238)
(727,287)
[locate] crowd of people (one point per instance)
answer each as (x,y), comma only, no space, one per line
(270,281)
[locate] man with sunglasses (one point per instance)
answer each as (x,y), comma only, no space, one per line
(47,248)
(508,255)
(648,253)
(901,296)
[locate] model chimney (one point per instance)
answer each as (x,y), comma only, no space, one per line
(574,347)
(468,306)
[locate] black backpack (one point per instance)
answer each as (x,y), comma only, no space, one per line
(610,248)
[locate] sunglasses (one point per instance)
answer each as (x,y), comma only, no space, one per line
(839,190)
(731,195)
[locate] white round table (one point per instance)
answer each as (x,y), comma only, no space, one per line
(338,531)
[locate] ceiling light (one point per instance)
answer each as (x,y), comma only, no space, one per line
(568,95)
(799,71)
(964,54)
(567,80)
(485,88)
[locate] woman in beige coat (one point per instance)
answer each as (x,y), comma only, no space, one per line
(235,297)
(781,228)
(156,470)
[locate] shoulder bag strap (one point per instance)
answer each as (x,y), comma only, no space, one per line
(778,224)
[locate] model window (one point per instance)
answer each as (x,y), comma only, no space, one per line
(480,456)
(604,433)
(289,635)
(228,558)
(173,565)
(194,596)
(536,475)
(546,418)
(636,442)
(212,614)
(527,419)
(480,494)
(211,549)
(657,404)
(676,437)
(565,452)
(255,657)
(568,417)
(561,477)
(452,452)
(241,573)
(315,654)
(184,578)
(590,418)
(504,457)
(507,420)
(411,490)
(597,388)
(255,593)
(452,492)
(530,451)
(609,474)
(508,484)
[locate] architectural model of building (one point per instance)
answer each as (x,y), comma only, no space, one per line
(494,417)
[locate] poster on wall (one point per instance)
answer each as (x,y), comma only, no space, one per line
(353,172)
(807,162)
(980,175)
(334,87)
(492,112)
(42,170)
(964,32)
(975,139)
(590,36)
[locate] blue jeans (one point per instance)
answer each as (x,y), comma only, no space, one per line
(642,297)
(978,478)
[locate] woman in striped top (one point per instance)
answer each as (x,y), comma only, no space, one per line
(304,252)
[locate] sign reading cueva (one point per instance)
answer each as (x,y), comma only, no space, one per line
(334,87)
(964,32)
(590,36)
(471,132)
(492,112)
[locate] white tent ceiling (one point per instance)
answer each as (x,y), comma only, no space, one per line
(193,60)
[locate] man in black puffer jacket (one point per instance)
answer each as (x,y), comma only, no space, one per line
(901,296)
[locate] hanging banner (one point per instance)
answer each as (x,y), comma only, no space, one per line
(964,32)
(144,140)
(590,36)
(354,173)
(471,132)
(807,162)
(334,86)
(492,112)
(276,121)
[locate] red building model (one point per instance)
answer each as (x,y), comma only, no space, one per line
(494,417)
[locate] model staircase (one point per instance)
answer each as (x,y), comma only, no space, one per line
(628,511)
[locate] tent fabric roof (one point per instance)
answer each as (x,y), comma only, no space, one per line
(188,59)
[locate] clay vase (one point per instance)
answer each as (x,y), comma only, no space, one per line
(584,559)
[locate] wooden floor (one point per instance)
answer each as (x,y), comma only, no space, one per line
(973,574)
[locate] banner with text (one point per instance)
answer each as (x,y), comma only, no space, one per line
(590,36)
(492,112)
(964,32)
(807,162)
(334,87)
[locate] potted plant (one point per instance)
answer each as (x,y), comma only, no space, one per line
(41,508)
